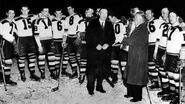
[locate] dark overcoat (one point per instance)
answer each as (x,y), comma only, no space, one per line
(136,72)
(95,35)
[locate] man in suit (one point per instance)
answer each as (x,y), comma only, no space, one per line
(99,38)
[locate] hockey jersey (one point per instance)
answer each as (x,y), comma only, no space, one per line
(7,30)
(43,28)
(58,28)
(72,23)
(24,25)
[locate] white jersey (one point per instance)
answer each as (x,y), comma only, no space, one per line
(24,25)
(163,35)
(58,28)
(153,28)
(119,31)
(43,28)
(82,25)
(72,23)
(7,30)
(175,40)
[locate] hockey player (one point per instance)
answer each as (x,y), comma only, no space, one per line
(26,43)
(72,21)
(153,28)
(44,35)
(81,34)
(118,55)
(8,31)
(175,42)
(59,36)
(160,48)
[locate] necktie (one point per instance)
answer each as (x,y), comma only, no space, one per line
(102,24)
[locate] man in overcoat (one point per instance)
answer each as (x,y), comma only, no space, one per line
(136,73)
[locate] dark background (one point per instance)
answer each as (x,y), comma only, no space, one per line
(121,7)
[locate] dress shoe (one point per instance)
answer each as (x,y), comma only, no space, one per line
(135,100)
(127,96)
(101,90)
(91,92)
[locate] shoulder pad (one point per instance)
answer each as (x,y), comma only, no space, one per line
(82,20)
(53,20)
(4,21)
(37,22)
(18,18)
(120,22)
(178,27)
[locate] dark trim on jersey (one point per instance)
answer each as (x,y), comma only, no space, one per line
(162,47)
(180,29)
(151,43)
(172,54)
(4,21)
(54,20)
(162,24)
(120,22)
(57,39)
(182,45)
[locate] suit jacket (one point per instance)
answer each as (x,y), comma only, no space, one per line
(96,35)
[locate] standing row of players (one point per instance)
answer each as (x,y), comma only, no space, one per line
(43,37)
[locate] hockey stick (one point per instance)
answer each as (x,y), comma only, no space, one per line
(148,94)
(180,68)
(57,88)
(2,68)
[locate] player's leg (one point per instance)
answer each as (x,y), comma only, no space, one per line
(31,56)
(7,53)
(153,73)
(167,78)
(123,62)
(83,63)
(21,57)
(72,56)
(65,63)
(162,72)
(51,58)
(41,60)
(114,64)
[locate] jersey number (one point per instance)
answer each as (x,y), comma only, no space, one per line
(151,26)
(59,25)
(117,28)
(27,24)
(71,20)
(165,31)
(172,30)
(46,25)
(11,28)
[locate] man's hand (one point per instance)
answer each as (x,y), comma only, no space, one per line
(98,47)
(105,46)
(64,44)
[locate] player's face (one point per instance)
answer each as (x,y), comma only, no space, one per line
(137,19)
(45,12)
(164,14)
(103,14)
(11,14)
(149,14)
(70,10)
(173,18)
(25,10)
(88,14)
(58,14)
